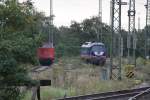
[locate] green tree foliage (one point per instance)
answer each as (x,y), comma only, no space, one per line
(10,72)
(141,41)
(19,38)
(71,38)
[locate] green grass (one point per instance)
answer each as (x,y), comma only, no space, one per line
(27,96)
(50,93)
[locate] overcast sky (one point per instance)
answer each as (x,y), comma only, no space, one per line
(67,10)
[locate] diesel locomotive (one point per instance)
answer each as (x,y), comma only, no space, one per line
(46,54)
(94,52)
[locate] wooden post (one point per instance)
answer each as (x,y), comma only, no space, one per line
(38,93)
(34,91)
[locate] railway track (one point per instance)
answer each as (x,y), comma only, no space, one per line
(40,68)
(133,94)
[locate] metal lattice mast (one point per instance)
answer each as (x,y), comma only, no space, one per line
(148,15)
(100,18)
(148,22)
(131,28)
(147,38)
(51,23)
(116,30)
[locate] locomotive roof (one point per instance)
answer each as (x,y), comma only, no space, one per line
(47,45)
(90,44)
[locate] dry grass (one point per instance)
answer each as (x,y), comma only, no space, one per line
(71,76)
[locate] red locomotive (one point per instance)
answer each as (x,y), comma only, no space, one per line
(46,55)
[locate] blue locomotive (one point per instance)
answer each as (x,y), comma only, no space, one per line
(94,52)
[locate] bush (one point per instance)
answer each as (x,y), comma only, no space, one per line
(140,62)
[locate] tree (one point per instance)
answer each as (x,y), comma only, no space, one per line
(19,33)
(71,38)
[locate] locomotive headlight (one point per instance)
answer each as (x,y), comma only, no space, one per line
(98,54)
(101,53)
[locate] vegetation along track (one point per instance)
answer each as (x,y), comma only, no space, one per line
(132,94)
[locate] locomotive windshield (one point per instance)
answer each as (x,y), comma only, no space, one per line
(98,48)
(84,50)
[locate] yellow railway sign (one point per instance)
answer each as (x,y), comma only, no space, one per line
(129,71)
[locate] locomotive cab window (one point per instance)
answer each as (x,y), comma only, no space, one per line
(97,48)
(84,50)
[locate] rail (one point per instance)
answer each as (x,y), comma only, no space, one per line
(109,95)
(140,95)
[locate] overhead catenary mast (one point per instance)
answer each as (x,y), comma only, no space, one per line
(100,19)
(51,24)
(131,29)
(100,10)
(116,6)
(148,22)
(147,36)
(139,23)
(115,29)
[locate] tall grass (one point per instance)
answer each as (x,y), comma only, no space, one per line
(71,76)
